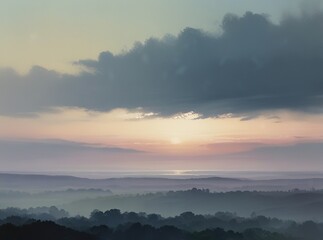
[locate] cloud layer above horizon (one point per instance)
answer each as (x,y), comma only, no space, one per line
(253,66)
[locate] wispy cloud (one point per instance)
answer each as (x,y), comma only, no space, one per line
(53,148)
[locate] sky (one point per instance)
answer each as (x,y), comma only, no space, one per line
(161,85)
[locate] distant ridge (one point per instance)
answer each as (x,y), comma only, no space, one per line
(34,175)
(40,182)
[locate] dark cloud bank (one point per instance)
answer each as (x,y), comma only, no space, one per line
(253,65)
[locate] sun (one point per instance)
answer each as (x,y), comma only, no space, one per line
(175,141)
(178,172)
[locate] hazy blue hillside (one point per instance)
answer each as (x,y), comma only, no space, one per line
(167,196)
(114,224)
(36,183)
(295,205)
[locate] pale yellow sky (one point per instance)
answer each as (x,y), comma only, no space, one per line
(53,34)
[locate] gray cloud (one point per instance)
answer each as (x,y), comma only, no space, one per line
(303,155)
(52,149)
(297,154)
(306,152)
(253,65)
